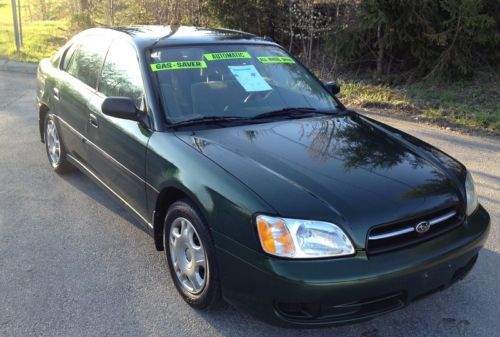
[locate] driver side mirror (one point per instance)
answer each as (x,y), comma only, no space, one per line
(120,107)
(332,87)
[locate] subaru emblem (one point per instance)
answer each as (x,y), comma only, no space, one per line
(422,227)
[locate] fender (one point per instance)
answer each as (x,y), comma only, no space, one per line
(176,171)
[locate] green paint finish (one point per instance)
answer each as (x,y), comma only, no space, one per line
(175,65)
(276,59)
(230,55)
(237,172)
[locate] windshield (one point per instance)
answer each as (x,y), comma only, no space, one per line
(241,81)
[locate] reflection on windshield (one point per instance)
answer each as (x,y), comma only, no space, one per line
(233,81)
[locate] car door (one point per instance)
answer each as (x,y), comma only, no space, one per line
(77,84)
(118,146)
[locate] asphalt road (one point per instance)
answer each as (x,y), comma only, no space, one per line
(74,263)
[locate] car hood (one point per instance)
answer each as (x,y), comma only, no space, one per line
(342,169)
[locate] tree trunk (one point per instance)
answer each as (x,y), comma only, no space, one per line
(85,19)
(29,12)
(290,21)
(310,47)
(111,13)
(84,6)
(380,56)
(337,29)
(43,9)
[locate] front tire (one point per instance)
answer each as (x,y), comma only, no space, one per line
(54,146)
(191,256)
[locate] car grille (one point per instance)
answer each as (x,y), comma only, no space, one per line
(403,233)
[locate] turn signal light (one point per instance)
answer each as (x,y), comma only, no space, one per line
(275,237)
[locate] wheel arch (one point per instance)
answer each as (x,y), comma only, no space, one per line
(167,197)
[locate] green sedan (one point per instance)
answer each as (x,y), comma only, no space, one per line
(261,188)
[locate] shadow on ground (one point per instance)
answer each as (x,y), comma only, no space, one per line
(102,196)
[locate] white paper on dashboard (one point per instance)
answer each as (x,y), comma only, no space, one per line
(249,78)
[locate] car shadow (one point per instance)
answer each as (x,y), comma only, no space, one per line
(480,143)
(84,184)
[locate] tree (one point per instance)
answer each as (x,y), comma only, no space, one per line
(445,38)
(260,17)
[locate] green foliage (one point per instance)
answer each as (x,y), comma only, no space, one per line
(40,38)
(467,37)
(260,16)
(438,39)
(417,38)
(370,95)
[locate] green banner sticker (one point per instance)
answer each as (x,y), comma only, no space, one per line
(229,55)
(178,65)
(276,59)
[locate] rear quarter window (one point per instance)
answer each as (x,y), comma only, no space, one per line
(68,53)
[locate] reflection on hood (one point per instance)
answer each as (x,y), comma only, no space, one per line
(338,168)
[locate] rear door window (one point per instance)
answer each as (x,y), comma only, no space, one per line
(86,63)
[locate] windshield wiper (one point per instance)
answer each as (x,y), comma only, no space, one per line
(209,120)
(291,112)
(288,112)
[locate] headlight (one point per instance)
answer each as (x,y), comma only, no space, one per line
(470,191)
(302,238)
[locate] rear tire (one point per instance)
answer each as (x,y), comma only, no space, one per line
(191,256)
(56,152)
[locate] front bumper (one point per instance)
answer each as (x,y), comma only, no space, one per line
(313,293)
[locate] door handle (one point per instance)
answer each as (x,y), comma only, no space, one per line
(93,121)
(56,93)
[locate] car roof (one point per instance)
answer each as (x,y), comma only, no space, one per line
(145,36)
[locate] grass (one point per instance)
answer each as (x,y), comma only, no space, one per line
(40,38)
(368,95)
(472,104)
